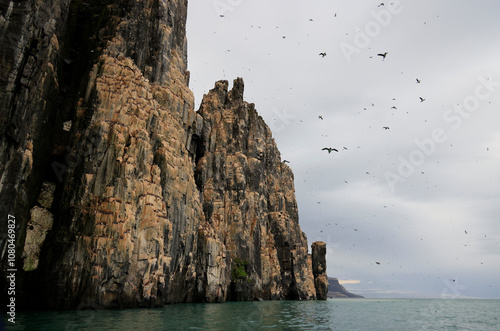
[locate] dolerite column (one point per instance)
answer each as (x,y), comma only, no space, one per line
(319,269)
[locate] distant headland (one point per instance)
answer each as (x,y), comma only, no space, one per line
(335,290)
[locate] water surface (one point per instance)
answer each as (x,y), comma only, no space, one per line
(334,314)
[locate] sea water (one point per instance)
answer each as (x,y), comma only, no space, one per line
(333,314)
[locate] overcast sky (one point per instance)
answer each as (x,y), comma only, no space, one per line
(420,196)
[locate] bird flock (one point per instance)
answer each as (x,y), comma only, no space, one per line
(382,55)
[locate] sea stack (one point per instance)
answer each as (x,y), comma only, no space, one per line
(319,269)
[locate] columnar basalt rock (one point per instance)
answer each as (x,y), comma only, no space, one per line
(95,101)
(319,269)
(125,195)
(248,198)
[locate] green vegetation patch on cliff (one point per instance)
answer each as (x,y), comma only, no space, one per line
(239,269)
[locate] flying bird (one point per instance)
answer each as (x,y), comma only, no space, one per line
(377,263)
(418,81)
(320,117)
(386,128)
(393,107)
(381,4)
(323,54)
(344,148)
(383,55)
(422,99)
(329,149)
(286,161)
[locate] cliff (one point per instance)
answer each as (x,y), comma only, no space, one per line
(123,194)
(335,290)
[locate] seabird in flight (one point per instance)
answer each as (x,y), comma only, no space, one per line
(329,149)
(383,55)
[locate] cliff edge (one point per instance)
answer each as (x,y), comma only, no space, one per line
(123,194)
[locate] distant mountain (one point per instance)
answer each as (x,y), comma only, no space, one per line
(335,290)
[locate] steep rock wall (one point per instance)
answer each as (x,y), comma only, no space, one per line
(124,195)
(249,200)
(319,269)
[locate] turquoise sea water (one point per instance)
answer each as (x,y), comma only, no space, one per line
(334,314)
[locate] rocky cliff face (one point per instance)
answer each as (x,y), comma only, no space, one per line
(124,196)
(248,200)
(319,269)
